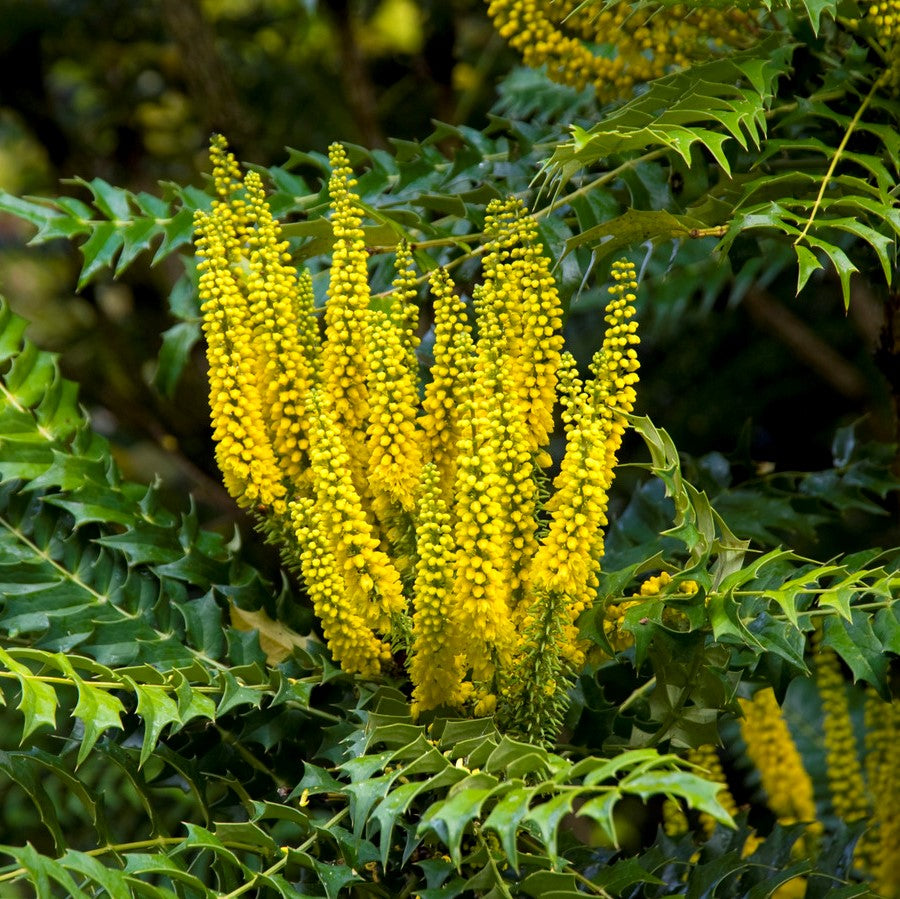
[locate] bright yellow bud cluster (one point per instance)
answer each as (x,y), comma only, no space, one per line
(415,512)
(613,46)
(772,750)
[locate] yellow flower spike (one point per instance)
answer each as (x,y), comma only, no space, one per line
(454,353)
(517,275)
(568,559)
(395,457)
(845,777)
(675,822)
(437,667)
(244,450)
(772,750)
(373,588)
(482,595)
(344,353)
(351,641)
(287,356)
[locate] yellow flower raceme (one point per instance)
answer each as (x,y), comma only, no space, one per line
(454,354)
(877,849)
(707,758)
(437,667)
(283,325)
(569,556)
(518,280)
(373,588)
(244,450)
(885,16)
(481,593)
(344,352)
(845,777)
(351,641)
(772,750)
(641,44)
(395,456)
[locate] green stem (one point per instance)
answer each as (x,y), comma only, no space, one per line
(498,877)
(637,694)
(272,869)
(839,152)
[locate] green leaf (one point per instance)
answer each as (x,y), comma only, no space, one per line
(99,251)
(855,642)
(506,817)
(450,817)
(177,343)
(38,701)
(157,708)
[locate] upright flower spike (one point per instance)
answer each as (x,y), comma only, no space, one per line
(395,456)
(454,353)
(438,665)
(845,776)
(615,364)
(345,354)
(517,273)
(877,848)
(772,750)
(352,642)
(481,593)
(244,450)
(287,355)
(568,559)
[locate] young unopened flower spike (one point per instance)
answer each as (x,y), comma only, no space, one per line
(344,353)
(454,353)
(395,455)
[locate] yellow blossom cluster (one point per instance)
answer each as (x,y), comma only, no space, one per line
(771,748)
(416,512)
(614,46)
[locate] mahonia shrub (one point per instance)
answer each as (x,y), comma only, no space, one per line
(418,510)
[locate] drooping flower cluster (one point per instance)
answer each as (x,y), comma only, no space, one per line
(417,515)
(613,46)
